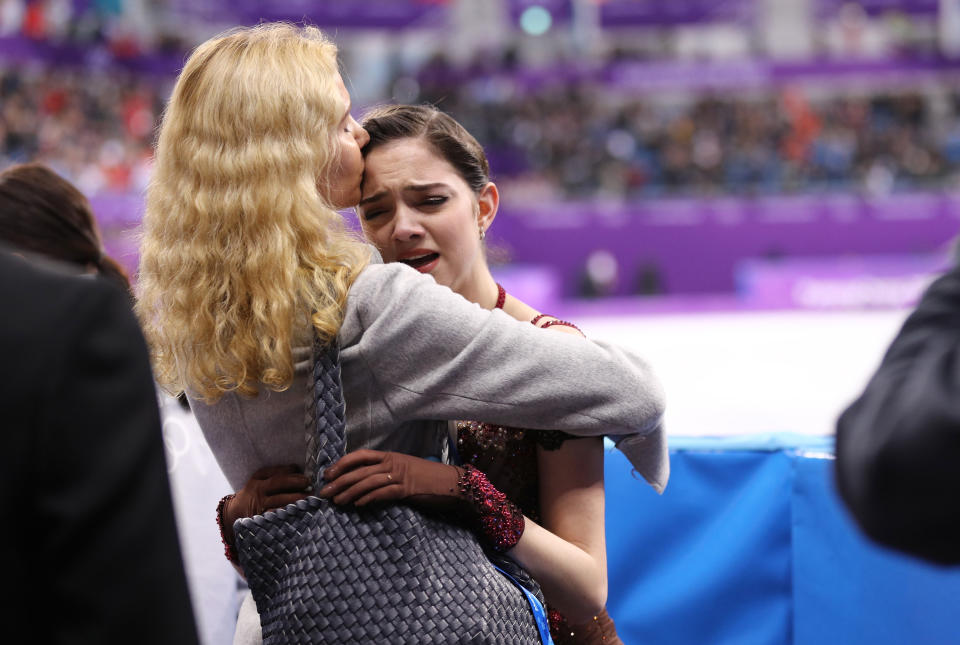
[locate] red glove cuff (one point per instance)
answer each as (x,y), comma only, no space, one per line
(500,521)
(228,548)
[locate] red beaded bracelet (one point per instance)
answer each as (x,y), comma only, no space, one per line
(228,548)
(500,520)
(538,318)
(550,323)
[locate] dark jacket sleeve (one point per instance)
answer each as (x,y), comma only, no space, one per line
(99,558)
(898,444)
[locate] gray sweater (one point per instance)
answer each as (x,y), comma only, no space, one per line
(413,352)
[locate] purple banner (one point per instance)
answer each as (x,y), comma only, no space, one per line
(119,218)
(645,77)
(673,75)
(839,283)
(631,13)
(684,246)
(678,75)
(359,14)
(879,7)
(19,49)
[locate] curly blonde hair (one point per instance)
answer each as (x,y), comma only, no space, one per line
(238,242)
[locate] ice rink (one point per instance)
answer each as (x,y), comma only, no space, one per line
(755,372)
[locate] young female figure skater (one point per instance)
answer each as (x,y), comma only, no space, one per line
(245,258)
(428,202)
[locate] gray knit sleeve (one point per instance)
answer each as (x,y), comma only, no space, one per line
(430,354)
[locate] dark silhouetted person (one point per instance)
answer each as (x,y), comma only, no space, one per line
(898,444)
(89,548)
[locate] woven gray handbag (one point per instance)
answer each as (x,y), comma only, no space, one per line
(322,574)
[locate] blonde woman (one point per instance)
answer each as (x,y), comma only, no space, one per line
(245,258)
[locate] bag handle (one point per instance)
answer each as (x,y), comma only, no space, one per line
(325,425)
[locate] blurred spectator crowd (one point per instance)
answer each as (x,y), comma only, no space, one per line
(95,129)
(549,139)
(123,28)
(581,140)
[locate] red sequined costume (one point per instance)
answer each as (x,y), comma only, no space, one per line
(508,456)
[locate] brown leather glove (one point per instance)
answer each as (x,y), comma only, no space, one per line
(366,476)
(268,488)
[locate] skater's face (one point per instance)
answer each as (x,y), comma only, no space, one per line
(417,209)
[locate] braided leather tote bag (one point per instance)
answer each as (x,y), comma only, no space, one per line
(322,574)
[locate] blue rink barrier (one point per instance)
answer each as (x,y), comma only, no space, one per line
(749,545)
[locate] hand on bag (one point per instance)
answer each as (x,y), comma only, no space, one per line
(268,488)
(367,476)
